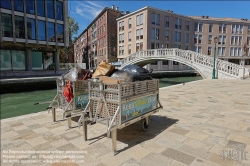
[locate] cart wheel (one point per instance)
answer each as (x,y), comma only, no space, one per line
(144,126)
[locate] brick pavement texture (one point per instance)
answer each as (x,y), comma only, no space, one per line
(205,122)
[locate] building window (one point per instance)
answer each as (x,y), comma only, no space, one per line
(129,23)
(40,8)
(236,40)
(155,19)
(198,27)
(177,46)
(221,51)
(129,49)
(210,29)
(139,34)
(18,5)
(31,29)
(222,40)
(209,51)
(129,36)
(5,4)
(222,28)
(175,63)
(41,30)
(30,7)
(139,19)
(155,33)
(167,21)
(248,31)
(235,51)
(165,62)
(121,50)
(19,27)
(18,60)
(6,25)
(167,35)
(197,49)
(178,23)
(155,45)
(187,25)
(186,48)
(121,26)
(51,32)
(121,38)
(50,9)
(59,10)
(177,36)
(60,36)
(248,40)
(139,46)
(198,39)
(37,60)
(237,29)
(210,39)
(187,38)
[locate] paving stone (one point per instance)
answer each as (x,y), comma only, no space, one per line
(236,145)
(154,147)
(179,156)
(119,158)
(70,135)
(130,162)
(179,131)
(97,150)
(155,160)
(197,135)
(217,140)
(34,126)
(8,134)
(36,141)
(194,151)
(199,162)
(168,142)
(239,138)
(137,152)
(68,147)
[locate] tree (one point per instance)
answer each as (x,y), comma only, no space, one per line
(73,30)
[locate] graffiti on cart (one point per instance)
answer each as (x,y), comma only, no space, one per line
(82,101)
(135,108)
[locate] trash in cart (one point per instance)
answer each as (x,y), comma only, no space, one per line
(72,94)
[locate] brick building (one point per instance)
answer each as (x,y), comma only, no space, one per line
(99,40)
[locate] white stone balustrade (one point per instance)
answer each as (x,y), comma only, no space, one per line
(203,64)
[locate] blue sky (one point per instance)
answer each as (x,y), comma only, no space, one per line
(85,11)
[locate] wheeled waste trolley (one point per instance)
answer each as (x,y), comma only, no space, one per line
(120,105)
(76,105)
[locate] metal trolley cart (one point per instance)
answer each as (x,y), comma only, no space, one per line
(121,105)
(76,104)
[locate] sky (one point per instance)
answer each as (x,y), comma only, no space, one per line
(85,11)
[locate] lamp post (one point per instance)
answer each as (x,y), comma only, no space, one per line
(215,41)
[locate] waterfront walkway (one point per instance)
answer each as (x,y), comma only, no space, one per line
(201,123)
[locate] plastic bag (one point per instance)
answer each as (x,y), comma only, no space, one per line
(103,69)
(72,75)
(138,73)
(122,75)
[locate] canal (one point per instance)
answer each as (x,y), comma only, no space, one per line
(16,104)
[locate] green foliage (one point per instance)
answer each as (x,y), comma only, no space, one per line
(73,29)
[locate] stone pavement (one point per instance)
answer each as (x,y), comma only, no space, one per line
(205,122)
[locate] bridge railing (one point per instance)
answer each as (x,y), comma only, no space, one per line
(189,57)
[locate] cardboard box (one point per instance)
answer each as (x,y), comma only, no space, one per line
(110,80)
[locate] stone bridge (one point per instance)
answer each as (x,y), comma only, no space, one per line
(203,64)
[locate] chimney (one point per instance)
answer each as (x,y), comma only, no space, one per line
(127,12)
(113,7)
(117,8)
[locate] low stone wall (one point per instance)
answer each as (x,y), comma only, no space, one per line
(16,74)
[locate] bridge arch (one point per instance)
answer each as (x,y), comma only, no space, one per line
(203,64)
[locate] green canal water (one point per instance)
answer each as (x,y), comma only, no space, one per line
(16,104)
